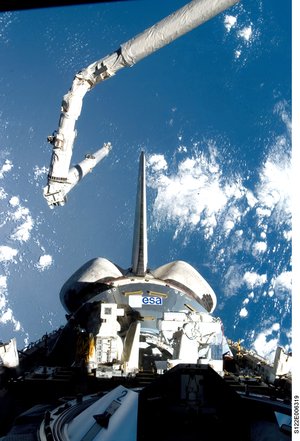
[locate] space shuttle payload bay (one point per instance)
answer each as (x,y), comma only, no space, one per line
(149,305)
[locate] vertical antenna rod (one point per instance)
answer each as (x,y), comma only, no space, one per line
(140,246)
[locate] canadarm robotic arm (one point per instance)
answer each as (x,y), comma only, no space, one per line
(162,33)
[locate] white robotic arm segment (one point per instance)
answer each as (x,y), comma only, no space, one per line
(172,27)
(56,190)
(63,140)
(103,69)
(162,33)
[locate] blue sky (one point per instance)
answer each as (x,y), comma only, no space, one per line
(212,112)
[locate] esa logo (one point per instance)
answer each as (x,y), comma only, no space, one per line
(152,300)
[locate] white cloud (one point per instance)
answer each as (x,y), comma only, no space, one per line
(22,232)
(3,194)
(3,282)
(16,223)
(7,317)
(6,313)
(269,192)
(198,194)
(3,292)
(7,253)
(14,201)
(252,279)
(233,280)
(5,168)
(39,172)
(157,162)
(229,22)
(243,312)
(267,341)
(233,216)
(237,54)
(263,212)
(251,199)
(44,262)
(228,226)
(193,195)
(259,248)
(240,223)
(282,284)
(21,214)
(245,33)
(273,192)
(280,109)
(287,235)
(182,149)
